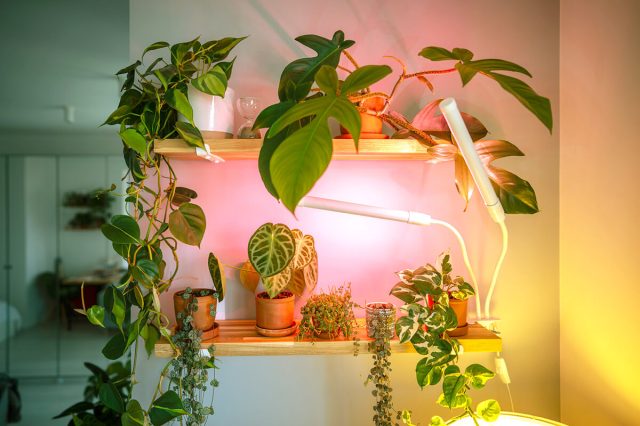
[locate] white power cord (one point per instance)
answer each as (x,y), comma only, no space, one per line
(496,271)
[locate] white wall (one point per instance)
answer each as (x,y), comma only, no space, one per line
(325,390)
(599,195)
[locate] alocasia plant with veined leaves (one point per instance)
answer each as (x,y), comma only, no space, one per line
(154,104)
(298,145)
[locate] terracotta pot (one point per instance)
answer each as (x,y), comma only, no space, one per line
(274,314)
(327,334)
(380,311)
(371,127)
(460,308)
(202,319)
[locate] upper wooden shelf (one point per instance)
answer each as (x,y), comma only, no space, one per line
(343,149)
(239,338)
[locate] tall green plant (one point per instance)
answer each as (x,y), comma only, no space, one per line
(298,147)
(160,213)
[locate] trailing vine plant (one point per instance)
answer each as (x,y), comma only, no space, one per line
(154,105)
(189,372)
(298,144)
(426,292)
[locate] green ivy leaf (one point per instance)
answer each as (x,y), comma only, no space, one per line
(479,375)
(155,46)
(489,410)
(406,328)
(271,249)
(118,115)
(165,74)
(146,272)
(188,224)
(122,229)
(134,414)
(95,314)
(115,347)
(452,387)
(190,134)
(227,67)
(134,140)
(168,406)
(150,334)
(179,101)
(110,397)
(213,82)
(427,374)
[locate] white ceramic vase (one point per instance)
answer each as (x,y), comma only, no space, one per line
(213,115)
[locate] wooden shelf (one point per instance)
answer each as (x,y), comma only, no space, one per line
(343,149)
(239,338)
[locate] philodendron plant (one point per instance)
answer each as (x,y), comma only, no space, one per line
(298,145)
(285,259)
(425,292)
(160,213)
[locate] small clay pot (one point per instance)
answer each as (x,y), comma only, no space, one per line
(328,335)
(460,308)
(276,313)
(371,124)
(202,318)
(380,312)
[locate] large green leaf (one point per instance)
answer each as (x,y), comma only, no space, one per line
(427,374)
(516,194)
(489,410)
(135,141)
(213,82)
(220,49)
(179,101)
(435,53)
(190,134)
(364,77)
(217,276)
(122,229)
(298,76)
(188,224)
(134,414)
(110,397)
(146,272)
(115,347)
(278,282)
(166,407)
(303,157)
(271,249)
(270,114)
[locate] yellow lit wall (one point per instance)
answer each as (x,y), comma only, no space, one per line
(599,203)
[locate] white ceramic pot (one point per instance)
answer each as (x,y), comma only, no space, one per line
(213,115)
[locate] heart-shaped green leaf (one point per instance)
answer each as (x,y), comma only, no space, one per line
(213,82)
(489,410)
(146,272)
(190,134)
(179,101)
(220,49)
(134,414)
(122,229)
(166,407)
(188,224)
(217,276)
(135,141)
(110,397)
(271,249)
(452,387)
(95,314)
(277,283)
(155,46)
(115,347)
(364,77)
(479,375)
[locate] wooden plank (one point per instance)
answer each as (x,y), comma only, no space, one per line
(343,149)
(239,338)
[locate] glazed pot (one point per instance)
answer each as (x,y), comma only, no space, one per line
(202,318)
(277,313)
(460,308)
(380,312)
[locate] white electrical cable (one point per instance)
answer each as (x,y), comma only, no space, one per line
(496,271)
(467,263)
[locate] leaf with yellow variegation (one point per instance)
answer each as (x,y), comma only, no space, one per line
(305,250)
(249,278)
(277,283)
(464,180)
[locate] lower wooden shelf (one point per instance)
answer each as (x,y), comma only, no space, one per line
(239,338)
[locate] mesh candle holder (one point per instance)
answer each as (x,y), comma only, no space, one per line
(380,316)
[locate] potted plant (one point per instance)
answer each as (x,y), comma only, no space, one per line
(287,263)
(205,299)
(380,316)
(429,319)
(297,147)
(327,315)
(161,214)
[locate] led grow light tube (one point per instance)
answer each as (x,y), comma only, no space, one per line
(414,218)
(463,139)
